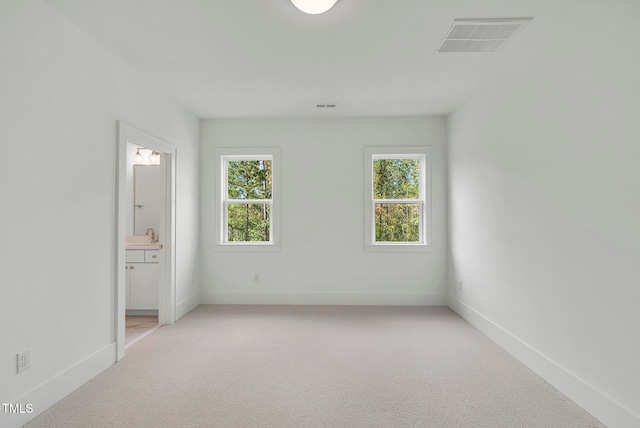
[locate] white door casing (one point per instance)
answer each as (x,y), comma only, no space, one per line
(167,232)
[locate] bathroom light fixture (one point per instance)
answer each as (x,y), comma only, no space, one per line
(154,157)
(138,158)
(314,7)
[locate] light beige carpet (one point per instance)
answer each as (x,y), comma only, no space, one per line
(316,366)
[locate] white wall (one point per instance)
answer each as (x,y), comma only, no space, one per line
(322,260)
(60,96)
(545,209)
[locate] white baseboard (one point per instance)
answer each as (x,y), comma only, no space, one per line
(603,408)
(187,305)
(330,298)
(141,312)
(53,390)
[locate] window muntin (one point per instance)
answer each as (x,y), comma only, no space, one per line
(398,201)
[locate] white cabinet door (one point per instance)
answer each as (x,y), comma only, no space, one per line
(143,286)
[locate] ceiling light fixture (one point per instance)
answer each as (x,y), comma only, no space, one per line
(314,7)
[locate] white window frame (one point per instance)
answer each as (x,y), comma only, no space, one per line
(423,155)
(223,156)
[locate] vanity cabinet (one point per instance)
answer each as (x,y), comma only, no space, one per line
(142,276)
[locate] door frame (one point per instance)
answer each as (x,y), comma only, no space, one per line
(167,284)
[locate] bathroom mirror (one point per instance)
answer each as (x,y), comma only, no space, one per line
(147,193)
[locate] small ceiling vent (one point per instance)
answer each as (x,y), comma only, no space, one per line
(480,35)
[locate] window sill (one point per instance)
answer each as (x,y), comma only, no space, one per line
(398,248)
(245,247)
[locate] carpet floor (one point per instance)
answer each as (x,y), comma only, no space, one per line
(316,366)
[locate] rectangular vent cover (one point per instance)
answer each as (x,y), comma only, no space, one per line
(480,35)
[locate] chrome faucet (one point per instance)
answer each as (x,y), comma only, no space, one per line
(154,237)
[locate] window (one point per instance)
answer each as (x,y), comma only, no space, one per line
(398,199)
(247,212)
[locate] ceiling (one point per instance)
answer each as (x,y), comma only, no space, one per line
(265,58)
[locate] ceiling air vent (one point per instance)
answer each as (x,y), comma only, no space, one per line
(480,35)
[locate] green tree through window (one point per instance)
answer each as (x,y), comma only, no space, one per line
(249,195)
(396,194)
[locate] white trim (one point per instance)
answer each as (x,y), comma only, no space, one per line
(187,305)
(241,246)
(398,247)
(323,298)
(395,152)
(167,286)
(249,201)
(59,386)
(398,201)
(220,228)
(602,407)
(142,336)
(423,154)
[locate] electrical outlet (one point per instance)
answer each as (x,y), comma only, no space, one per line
(24,360)
(256,277)
(460,285)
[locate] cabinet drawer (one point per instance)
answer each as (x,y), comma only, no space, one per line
(134,256)
(151,256)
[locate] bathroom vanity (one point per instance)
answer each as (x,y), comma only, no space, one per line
(144,254)
(142,275)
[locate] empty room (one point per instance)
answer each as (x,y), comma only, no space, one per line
(320,213)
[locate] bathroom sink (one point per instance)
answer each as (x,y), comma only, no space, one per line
(141,242)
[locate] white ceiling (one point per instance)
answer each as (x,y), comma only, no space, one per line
(264,58)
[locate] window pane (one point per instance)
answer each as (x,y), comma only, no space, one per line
(395,179)
(249,222)
(250,179)
(397,222)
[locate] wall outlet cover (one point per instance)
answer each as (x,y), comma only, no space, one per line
(24,360)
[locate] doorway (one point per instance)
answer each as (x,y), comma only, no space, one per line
(153,250)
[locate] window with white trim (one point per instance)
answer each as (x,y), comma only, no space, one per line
(398,198)
(247,212)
